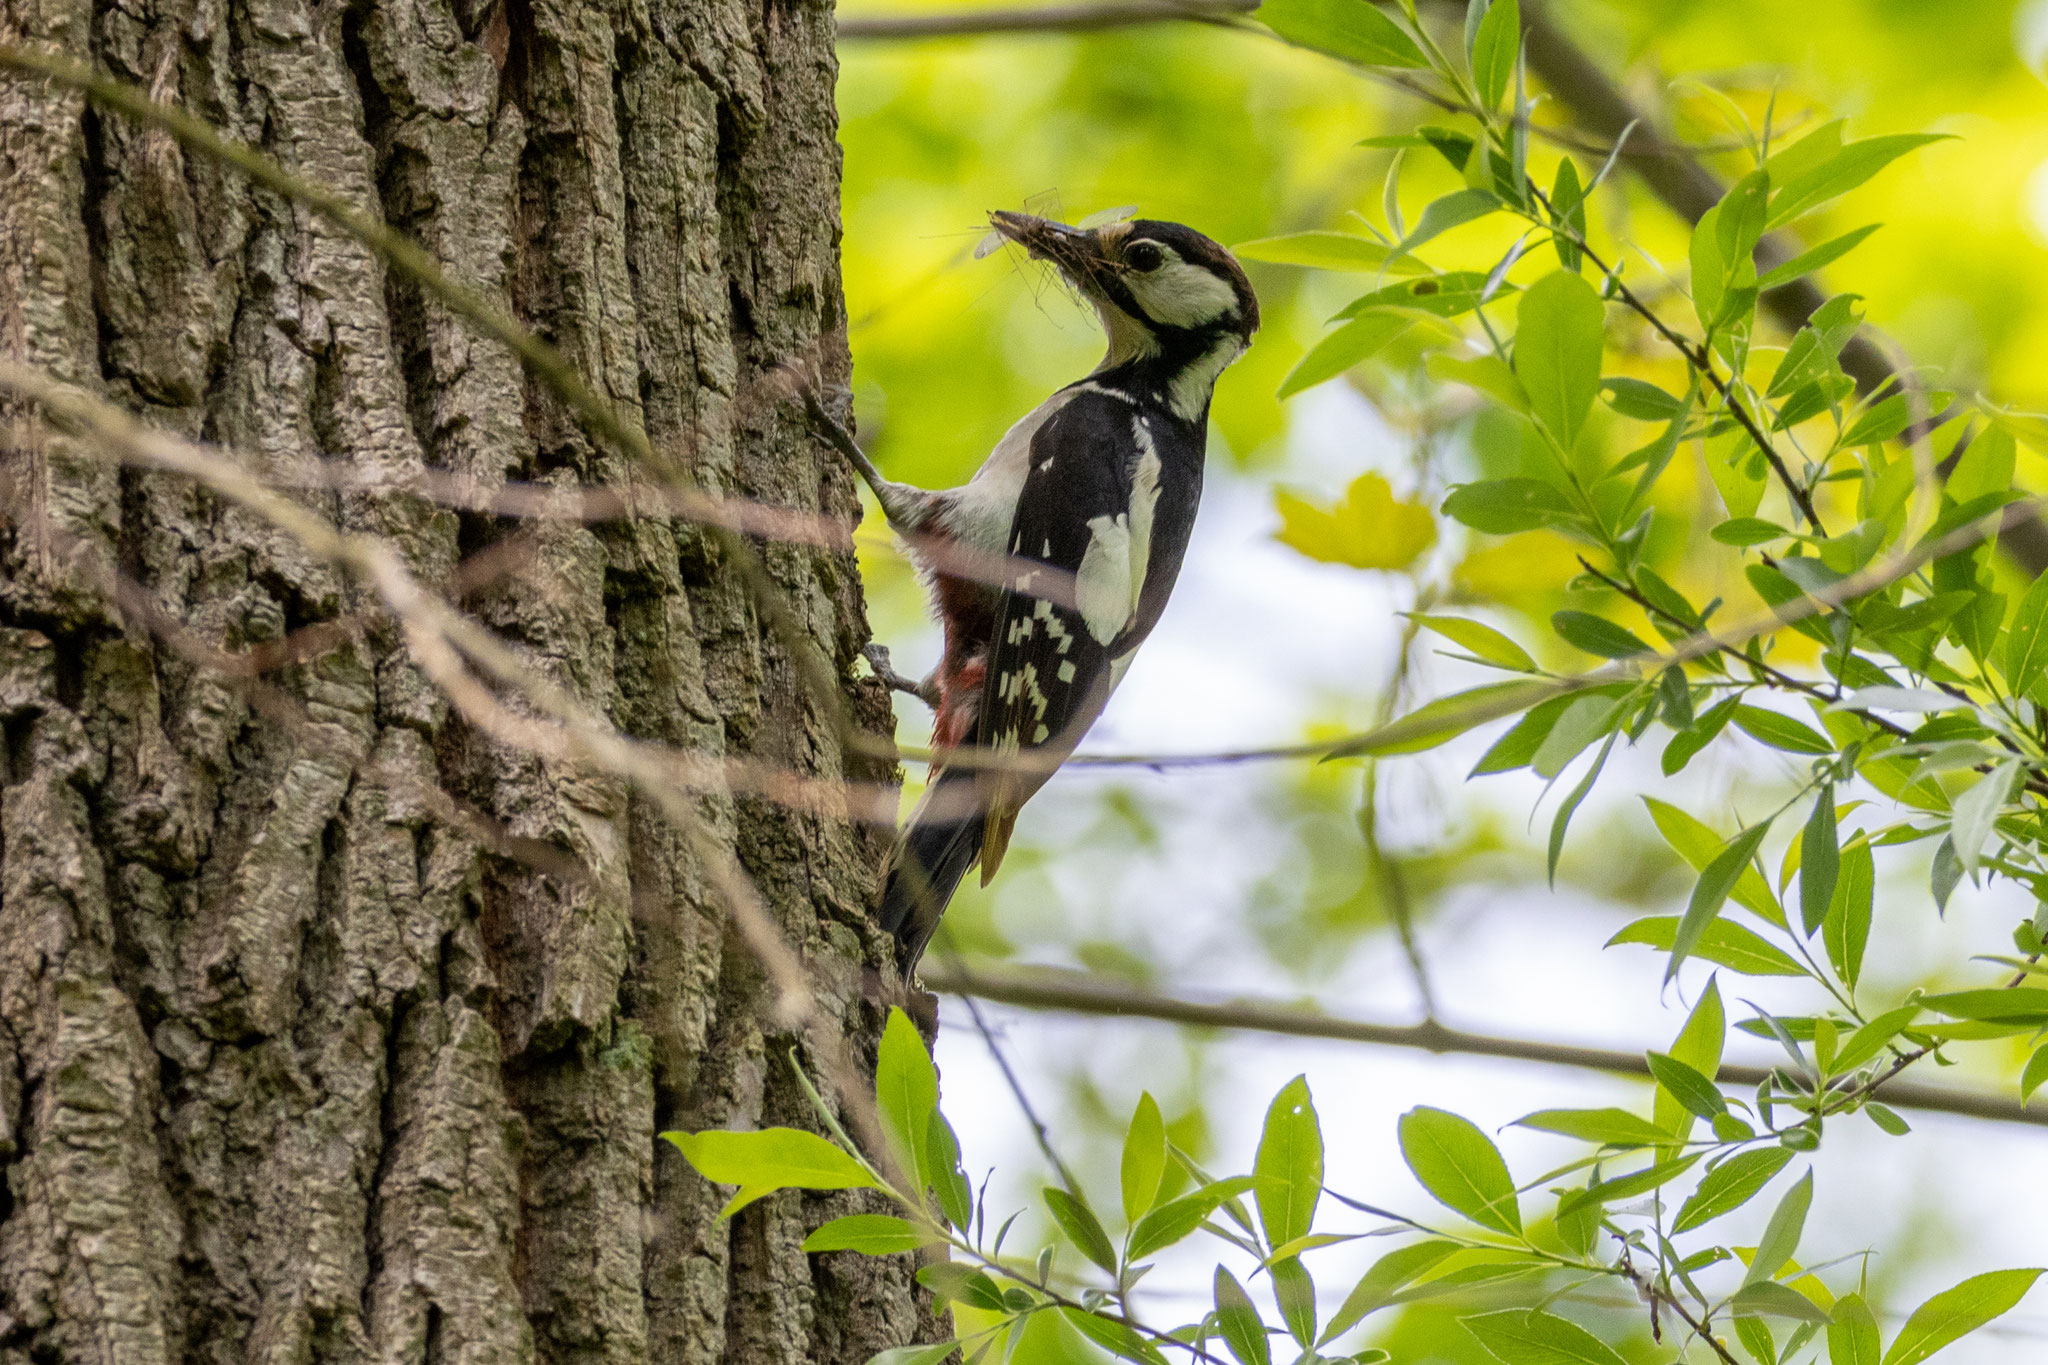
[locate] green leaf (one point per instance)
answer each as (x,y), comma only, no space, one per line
(1558,342)
(873,1234)
(1698,1094)
(1764,1298)
(906,1094)
(2015,1005)
(2035,1073)
(1730,1185)
(1626,1186)
(1881,421)
(1530,1336)
(915,1355)
(1453,210)
(1343,348)
(1698,1045)
(1781,1235)
(1976,810)
(1288,1170)
(1590,716)
(1113,1334)
(767,1160)
(1570,805)
(1866,1042)
(1844,171)
(955,1282)
(1755,1335)
(1568,211)
(1815,346)
(1327,251)
(1369,529)
(1144,1158)
(1483,641)
(1503,507)
(1643,401)
(1174,1220)
(2025,655)
(1738,225)
(1448,295)
(1388,1276)
(1820,861)
(1495,47)
(1596,635)
(1885,1118)
(1847,928)
(948,1181)
(1697,843)
(1486,373)
(1608,1127)
(1746,531)
(1444,719)
(1984,468)
(1726,944)
(1806,262)
(1526,736)
(1853,1337)
(1082,1227)
(1460,1167)
(1351,29)
(1243,1330)
(1711,892)
(1957,1312)
(1294,1293)
(1688,742)
(1780,731)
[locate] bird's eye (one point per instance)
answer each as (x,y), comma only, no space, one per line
(1144,257)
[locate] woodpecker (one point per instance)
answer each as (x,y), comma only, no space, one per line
(1098,485)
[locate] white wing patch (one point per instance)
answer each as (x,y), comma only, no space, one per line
(1102,589)
(1119,554)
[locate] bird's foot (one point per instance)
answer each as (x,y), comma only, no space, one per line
(878,660)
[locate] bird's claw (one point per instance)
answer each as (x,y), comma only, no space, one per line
(878,660)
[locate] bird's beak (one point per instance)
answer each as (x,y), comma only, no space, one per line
(1076,251)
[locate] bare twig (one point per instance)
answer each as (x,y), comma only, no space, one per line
(1090,18)
(1076,994)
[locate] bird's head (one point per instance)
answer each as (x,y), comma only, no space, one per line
(1160,288)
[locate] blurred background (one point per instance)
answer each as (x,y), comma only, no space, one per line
(1292,881)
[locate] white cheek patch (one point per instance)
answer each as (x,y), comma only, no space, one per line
(1182,295)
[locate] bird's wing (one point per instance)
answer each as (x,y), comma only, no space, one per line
(1091,511)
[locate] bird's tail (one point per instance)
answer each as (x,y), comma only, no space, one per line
(932,854)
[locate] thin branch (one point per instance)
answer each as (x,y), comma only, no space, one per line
(1091,18)
(1076,994)
(450,648)
(1039,1131)
(599,416)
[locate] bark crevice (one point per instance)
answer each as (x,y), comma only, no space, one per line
(292,1068)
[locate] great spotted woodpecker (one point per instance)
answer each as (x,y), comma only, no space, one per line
(1099,485)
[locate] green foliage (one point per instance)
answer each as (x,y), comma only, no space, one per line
(1667,519)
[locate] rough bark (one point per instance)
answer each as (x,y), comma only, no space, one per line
(293,1065)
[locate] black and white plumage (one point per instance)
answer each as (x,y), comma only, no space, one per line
(1053,563)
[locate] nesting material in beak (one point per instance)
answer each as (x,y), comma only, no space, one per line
(1077,252)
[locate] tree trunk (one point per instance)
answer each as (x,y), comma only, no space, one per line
(297,1062)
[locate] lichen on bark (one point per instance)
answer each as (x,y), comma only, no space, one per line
(293,1065)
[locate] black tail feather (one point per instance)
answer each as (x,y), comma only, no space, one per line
(930,859)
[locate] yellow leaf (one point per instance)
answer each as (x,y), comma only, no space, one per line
(1519,570)
(1369,529)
